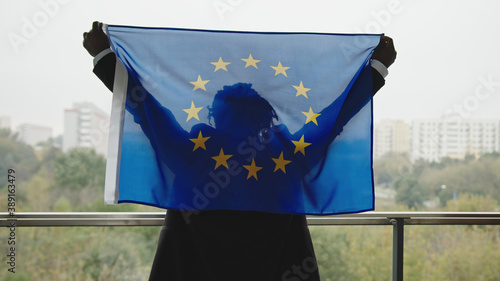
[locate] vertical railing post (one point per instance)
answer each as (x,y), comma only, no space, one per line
(398,229)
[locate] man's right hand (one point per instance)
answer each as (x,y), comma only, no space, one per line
(95,41)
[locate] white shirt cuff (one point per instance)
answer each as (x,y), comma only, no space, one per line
(380,67)
(101,55)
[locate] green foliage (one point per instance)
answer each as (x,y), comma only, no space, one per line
(37,193)
(62,205)
(330,244)
(420,181)
(472,203)
(452,253)
(19,276)
(17,155)
(347,253)
(392,167)
(409,192)
(50,180)
(479,176)
(124,256)
(79,176)
(83,253)
(80,168)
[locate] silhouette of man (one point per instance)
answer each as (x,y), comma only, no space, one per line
(224,244)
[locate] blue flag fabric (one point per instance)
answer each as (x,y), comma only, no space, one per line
(223,120)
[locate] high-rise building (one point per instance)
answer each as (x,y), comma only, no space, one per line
(453,137)
(4,122)
(33,134)
(85,125)
(391,136)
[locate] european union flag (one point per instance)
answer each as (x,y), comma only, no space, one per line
(223,120)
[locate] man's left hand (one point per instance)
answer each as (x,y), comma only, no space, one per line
(95,41)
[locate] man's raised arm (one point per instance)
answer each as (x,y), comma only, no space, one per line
(383,56)
(97,44)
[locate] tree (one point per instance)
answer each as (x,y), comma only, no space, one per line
(472,203)
(79,176)
(479,176)
(409,192)
(391,167)
(17,155)
(80,167)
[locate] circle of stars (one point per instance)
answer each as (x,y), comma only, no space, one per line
(222,158)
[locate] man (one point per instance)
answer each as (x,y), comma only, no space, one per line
(225,244)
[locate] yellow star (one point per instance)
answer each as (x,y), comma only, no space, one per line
(311,116)
(301,90)
(300,145)
(252,170)
(280,69)
(193,112)
(220,64)
(199,141)
(280,163)
(221,159)
(199,84)
(251,62)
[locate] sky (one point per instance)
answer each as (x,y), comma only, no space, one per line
(448,51)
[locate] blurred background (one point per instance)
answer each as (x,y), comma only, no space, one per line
(436,131)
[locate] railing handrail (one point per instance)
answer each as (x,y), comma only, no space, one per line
(398,220)
(156,218)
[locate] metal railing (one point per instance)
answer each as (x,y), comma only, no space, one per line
(397,219)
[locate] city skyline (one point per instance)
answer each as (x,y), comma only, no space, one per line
(85,125)
(432,139)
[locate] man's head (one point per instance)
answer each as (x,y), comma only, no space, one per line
(241,107)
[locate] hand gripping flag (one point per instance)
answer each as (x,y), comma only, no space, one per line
(222,120)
